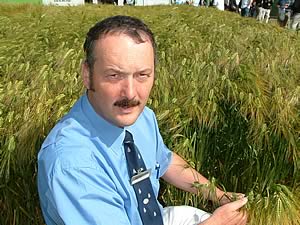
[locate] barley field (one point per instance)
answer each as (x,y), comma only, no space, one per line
(227,98)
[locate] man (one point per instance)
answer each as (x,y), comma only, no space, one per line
(245,7)
(284,12)
(295,19)
(85,173)
(264,10)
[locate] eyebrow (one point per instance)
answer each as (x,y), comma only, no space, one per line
(147,70)
(115,70)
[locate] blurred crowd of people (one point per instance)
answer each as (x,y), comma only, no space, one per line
(288,10)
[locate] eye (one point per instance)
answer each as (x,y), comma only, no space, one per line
(113,76)
(143,76)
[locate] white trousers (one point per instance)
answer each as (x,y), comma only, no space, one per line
(263,14)
(295,21)
(183,215)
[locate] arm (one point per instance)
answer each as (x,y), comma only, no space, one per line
(87,196)
(249,3)
(183,177)
(79,195)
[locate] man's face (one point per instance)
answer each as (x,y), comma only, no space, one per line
(122,78)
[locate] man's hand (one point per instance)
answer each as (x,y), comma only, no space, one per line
(229,214)
(228,197)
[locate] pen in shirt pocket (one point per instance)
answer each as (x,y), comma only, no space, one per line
(157,167)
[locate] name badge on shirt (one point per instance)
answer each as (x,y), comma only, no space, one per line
(140,176)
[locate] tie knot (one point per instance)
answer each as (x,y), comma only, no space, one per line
(128,137)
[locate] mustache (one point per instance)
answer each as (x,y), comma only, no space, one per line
(127,103)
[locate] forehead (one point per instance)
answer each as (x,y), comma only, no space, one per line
(137,37)
(120,45)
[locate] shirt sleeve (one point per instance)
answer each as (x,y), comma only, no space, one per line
(84,196)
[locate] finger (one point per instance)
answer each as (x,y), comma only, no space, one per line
(237,204)
(226,197)
(236,218)
(240,195)
(245,218)
(242,218)
(235,196)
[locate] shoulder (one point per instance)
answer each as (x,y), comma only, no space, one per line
(68,145)
(69,131)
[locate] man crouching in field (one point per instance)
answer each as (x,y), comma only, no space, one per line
(102,162)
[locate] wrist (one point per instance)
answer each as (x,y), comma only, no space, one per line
(214,195)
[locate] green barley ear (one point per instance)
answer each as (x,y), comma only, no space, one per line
(250,197)
(207,193)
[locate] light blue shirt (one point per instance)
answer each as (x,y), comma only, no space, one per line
(245,4)
(82,169)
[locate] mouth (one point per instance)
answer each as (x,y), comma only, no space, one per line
(126,109)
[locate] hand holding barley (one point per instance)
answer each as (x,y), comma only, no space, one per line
(229,214)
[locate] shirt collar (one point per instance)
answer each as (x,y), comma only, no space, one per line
(111,135)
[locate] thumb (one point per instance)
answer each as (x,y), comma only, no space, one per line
(237,204)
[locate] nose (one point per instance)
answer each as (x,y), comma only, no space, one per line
(128,88)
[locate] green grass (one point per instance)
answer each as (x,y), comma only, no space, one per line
(22,1)
(227,99)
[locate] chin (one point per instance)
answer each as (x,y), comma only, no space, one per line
(127,120)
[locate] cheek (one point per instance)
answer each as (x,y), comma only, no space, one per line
(108,93)
(144,92)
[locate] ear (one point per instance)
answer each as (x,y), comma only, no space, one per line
(85,72)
